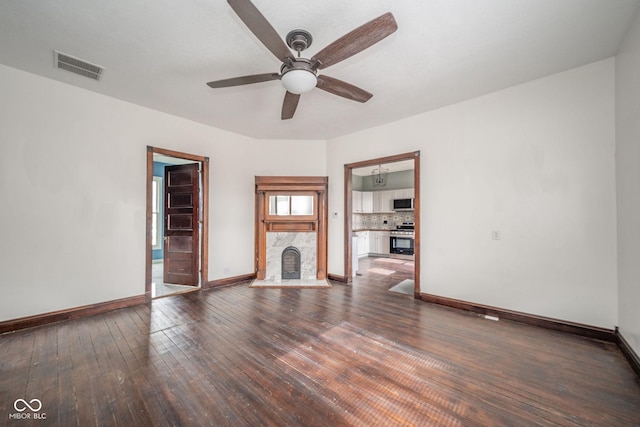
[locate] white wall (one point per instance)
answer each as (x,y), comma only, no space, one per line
(628,184)
(72,191)
(232,203)
(536,162)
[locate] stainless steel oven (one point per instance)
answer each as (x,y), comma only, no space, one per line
(401,243)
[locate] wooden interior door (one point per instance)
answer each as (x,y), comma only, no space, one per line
(181,224)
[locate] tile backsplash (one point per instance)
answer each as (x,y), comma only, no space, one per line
(377,220)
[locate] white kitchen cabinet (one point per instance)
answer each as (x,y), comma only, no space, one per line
(367,202)
(383,201)
(388,199)
(361,201)
(374,201)
(379,243)
(384,243)
(405,193)
(377,201)
(373,242)
(356,201)
(363,243)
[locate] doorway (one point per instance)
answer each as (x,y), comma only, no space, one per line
(383,220)
(177,222)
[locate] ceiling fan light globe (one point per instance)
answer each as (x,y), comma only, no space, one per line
(299,81)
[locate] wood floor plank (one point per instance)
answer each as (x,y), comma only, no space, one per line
(85,392)
(132,345)
(43,378)
(16,364)
(118,375)
(65,408)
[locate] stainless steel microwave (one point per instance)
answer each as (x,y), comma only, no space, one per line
(403,204)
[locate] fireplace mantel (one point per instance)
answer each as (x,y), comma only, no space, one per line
(313,222)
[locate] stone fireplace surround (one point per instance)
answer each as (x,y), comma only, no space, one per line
(305,242)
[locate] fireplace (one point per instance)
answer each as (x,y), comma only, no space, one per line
(277,246)
(291,263)
(291,211)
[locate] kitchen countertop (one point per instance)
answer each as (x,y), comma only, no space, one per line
(355,230)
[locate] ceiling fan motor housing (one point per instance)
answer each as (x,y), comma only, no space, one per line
(298,76)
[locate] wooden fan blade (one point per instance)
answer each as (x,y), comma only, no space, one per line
(244,80)
(356,41)
(343,89)
(289,105)
(262,29)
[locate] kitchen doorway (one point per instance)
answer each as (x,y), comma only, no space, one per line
(177,222)
(385,219)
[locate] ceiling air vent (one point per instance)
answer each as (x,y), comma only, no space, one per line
(78,66)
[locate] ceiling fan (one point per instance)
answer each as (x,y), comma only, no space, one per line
(299,75)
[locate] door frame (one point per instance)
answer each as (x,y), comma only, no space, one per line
(204,235)
(348,211)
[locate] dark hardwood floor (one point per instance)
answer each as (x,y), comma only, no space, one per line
(349,355)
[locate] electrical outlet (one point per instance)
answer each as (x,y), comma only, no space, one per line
(495,235)
(227,269)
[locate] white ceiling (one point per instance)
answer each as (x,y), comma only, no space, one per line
(160,54)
